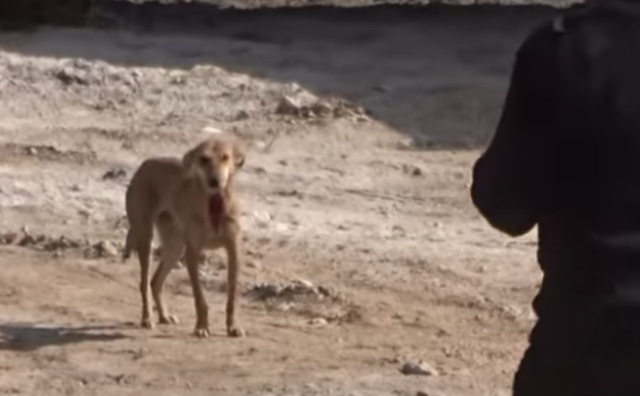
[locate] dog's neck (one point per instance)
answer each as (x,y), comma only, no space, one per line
(216,209)
(215,203)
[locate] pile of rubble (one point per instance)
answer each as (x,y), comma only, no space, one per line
(58,246)
(320,305)
(299,103)
(266,291)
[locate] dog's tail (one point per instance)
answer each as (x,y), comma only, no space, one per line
(129,246)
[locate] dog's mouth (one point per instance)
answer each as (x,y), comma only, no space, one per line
(216,210)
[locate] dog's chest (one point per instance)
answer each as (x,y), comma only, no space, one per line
(216,210)
(214,236)
(216,216)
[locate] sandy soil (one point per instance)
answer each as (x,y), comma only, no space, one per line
(364,195)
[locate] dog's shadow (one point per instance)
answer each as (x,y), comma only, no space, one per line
(30,336)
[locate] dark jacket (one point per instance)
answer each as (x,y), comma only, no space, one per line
(566,156)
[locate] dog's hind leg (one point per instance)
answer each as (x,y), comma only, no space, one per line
(172,247)
(144,236)
(129,245)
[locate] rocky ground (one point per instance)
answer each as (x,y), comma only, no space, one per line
(368,271)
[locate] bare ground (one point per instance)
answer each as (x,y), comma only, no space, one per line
(372,208)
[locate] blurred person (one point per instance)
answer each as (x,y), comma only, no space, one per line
(566,157)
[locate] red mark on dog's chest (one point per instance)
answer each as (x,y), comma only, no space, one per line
(216,211)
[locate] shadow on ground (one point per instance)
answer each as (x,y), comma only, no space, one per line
(429,72)
(29,337)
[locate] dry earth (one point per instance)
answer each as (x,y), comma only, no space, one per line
(358,195)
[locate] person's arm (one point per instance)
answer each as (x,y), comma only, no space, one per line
(506,178)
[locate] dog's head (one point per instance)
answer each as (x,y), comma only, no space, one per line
(215,160)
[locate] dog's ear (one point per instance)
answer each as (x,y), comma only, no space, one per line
(189,159)
(238,155)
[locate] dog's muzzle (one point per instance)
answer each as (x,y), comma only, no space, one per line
(213,183)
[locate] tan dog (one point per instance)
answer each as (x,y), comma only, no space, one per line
(192,206)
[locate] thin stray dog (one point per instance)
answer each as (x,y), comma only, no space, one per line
(193,207)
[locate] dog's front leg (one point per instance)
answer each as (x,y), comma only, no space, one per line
(192,258)
(233,257)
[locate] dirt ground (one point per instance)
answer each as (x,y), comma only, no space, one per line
(357,192)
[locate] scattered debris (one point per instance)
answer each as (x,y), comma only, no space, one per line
(418,368)
(262,219)
(241,115)
(46,152)
(417,143)
(102,249)
(288,106)
(265,291)
(320,108)
(323,109)
(8,238)
(511,312)
(274,136)
(58,246)
(318,304)
(61,243)
(412,170)
(115,173)
(289,193)
(30,240)
(318,322)
(211,130)
(34,150)
(69,76)
(254,264)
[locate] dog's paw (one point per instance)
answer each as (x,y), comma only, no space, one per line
(235,332)
(146,323)
(168,320)
(201,332)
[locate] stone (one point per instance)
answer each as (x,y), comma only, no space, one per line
(288,106)
(418,368)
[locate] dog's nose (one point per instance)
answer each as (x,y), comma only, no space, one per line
(213,183)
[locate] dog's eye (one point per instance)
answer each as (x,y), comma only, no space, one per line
(224,158)
(204,160)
